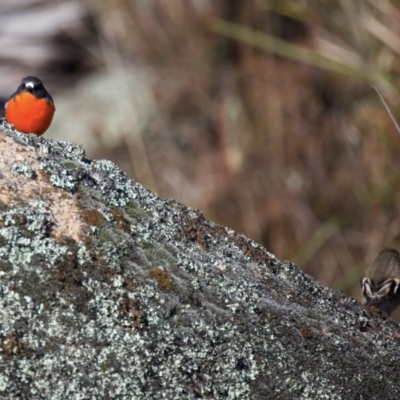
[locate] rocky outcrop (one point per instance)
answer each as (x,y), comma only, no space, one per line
(109,292)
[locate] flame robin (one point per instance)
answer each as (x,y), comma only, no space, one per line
(31,108)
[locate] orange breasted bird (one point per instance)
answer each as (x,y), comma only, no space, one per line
(31,108)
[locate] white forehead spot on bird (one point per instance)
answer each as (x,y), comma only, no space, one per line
(29,85)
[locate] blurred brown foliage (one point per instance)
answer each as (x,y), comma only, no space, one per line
(274,142)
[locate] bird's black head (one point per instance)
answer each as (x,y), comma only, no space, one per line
(35,86)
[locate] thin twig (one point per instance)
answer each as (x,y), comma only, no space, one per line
(387,109)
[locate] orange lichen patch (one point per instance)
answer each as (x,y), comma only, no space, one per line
(195,231)
(18,188)
(258,255)
(129,284)
(14,346)
(162,277)
(92,217)
(200,230)
(120,220)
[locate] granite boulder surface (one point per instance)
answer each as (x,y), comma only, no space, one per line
(109,292)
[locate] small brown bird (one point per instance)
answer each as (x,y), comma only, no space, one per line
(380,284)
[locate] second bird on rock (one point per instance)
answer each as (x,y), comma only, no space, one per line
(380,284)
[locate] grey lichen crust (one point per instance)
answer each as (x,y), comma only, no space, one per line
(109,292)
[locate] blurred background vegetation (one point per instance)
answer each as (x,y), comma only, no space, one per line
(260,113)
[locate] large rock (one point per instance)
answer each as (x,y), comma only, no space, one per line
(109,292)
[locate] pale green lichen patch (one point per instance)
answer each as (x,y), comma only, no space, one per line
(155,302)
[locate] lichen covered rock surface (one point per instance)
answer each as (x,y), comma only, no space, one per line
(109,292)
